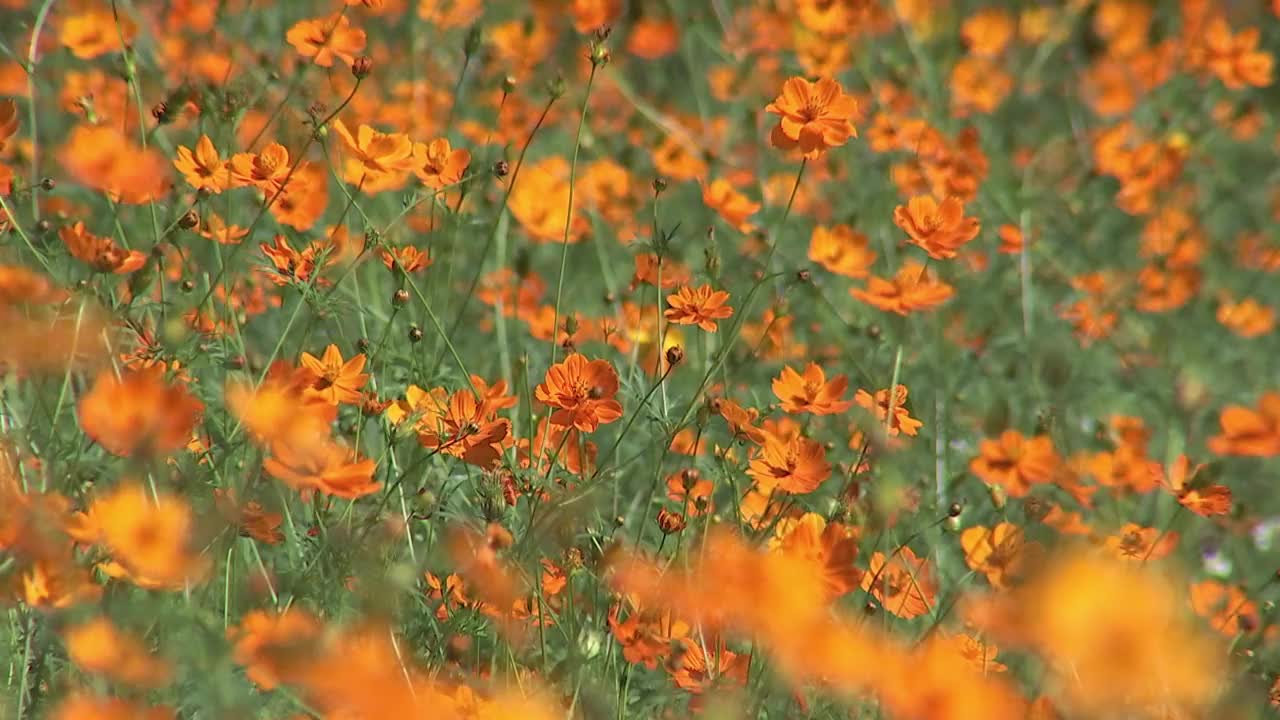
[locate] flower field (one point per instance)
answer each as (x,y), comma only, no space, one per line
(903,359)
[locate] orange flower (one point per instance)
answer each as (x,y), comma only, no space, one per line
(939,228)
(336,382)
(814,116)
(250,519)
(324,39)
(540,201)
(978,84)
(1015,462)
(700,306)
(1139,544)
(103,158)
(797,465)
(741,421)
(1203,499)
(988,32)
(581,391)
(97,646)
(265,170)
(651,39)
(830,547)
(903,584)
(731,205)
(328,467)
(912,288)
(203,169)
(811,392)
(139,413)
(842,250)
(1083,607)
(645,637)
(1001,553)
(93,31)
(376,160)
(274,648)
(456,425)
(406,256)
(1235,59)
(1246,431)
(591,15)
(694,672)
(150,539)
(1247,318)
(1227,608)
(441,165)
(879,404)
(99,252)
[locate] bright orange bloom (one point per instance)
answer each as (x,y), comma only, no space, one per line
(1247,318)
(988,32)
(939,228)
(651,38)
(139,413)
(581,391)
(336,382)
(250,519)
(902,584)
(1081,608)
(104,158)
(101,253)
(591,15)
(879,404)
(842,250)
(797,465)
(1203,499)
(375,160)
(1246,431)
(439,164)
(1227,608)
(93,31)
(814,116)
(456,425)
(406,256)
(645,637)
(324,39)
(694,672)
(265,170)
(328,467)
(151,540)
(1015,462)
(699,306)
(829,547)
(274,648)
(1235,59)
(732,206)
(97,646)
(1001,553)
(912,288)
(978,84)
(742,422)
(203,169)
(811,392)
(540,201)
(1135,543)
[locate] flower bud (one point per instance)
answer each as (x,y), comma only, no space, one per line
(361,67)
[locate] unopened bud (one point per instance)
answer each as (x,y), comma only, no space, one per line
(362,67)
(675,355)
